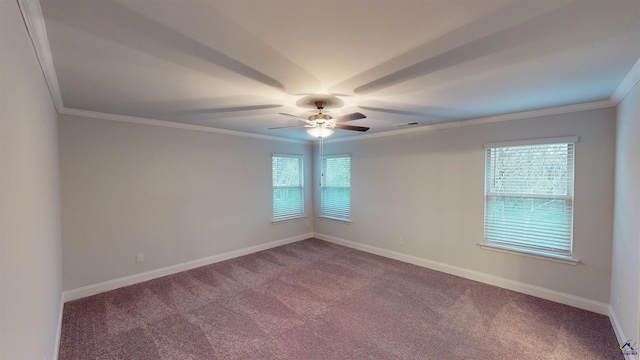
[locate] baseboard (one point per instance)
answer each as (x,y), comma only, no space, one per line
(552,295)
(89,290)
(619,332)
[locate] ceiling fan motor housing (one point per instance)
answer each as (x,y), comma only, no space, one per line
(317,117)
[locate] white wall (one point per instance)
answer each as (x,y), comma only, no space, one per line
(428,188)
(30,251)
(174,195)
(625,279)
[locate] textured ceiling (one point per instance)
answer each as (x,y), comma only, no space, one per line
(235,65)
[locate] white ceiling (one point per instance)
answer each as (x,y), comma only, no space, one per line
(236,64)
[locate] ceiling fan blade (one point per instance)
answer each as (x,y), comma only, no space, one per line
(242,108)
(424,112)
(349,117)
(294,116)
(286,127)
(351,127)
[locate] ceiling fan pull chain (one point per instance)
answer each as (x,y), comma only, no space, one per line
(321,167)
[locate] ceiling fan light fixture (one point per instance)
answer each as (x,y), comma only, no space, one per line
(320,132)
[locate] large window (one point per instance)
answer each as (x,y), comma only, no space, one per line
(529,196)
(288,187)
(335,192)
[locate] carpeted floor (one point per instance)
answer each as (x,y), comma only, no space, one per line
(317,300)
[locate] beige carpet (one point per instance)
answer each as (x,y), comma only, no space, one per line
(317,300)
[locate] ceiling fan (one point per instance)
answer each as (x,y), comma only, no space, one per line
(322,125)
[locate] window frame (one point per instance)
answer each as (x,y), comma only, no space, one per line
(323,186)
(561,255)
(293,215)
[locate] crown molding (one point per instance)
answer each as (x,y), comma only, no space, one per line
(171,124)
(486,120)
(34,21)
(433,127)
(627,83)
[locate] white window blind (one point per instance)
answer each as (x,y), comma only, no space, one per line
(335,192)
(529,197)
(288,189)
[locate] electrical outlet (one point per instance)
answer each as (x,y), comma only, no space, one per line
(139,257)
(401,241)
(618,298)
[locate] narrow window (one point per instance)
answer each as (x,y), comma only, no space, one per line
(335,192)
(288,187)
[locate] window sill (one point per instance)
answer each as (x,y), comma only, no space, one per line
(535,255)
(348,221)
(288,219)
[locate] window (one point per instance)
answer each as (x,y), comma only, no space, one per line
(529,196)
(288,189)
(335,191)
